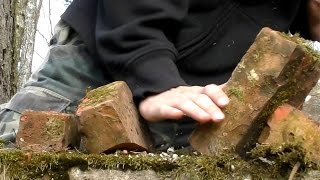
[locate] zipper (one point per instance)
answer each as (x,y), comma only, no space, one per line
(209,35)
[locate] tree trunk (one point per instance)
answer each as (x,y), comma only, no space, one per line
(30,14)
(8,71)
(16,43)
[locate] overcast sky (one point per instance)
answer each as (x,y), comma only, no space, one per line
(41,47)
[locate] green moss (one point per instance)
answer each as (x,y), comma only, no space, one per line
(99,94)
(305,44)
(2,143)
(284,157)
(237,92)
(227,165)
(54,127)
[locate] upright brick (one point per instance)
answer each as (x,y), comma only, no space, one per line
(276,69)
(109,120)
(288,125)
(47,131)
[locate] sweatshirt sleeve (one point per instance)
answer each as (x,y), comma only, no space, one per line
(134,41)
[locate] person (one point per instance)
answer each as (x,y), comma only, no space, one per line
(175,55)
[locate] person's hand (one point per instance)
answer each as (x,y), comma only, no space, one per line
(200,103)
(314,18)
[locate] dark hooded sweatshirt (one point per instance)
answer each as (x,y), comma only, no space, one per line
(155,45)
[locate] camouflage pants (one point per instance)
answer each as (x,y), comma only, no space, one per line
(60,83)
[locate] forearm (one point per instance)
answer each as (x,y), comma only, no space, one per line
(314,19)
(133,40)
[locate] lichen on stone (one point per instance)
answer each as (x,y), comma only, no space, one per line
(237,92)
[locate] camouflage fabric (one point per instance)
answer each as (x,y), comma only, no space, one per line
(60,83)
(57,85)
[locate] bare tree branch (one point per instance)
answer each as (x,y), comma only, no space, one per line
(51,27)
(44,37)
(39,55)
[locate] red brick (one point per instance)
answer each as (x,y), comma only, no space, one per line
(288,125)
(109,120)
(47,131)
(276,69)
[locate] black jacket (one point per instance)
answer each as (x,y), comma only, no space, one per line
(155,45)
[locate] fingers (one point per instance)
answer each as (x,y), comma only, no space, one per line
(203,104)
(216,94)
(158,111)
(223,86)
(191,109)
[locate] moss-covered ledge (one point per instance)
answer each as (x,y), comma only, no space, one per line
(266,163)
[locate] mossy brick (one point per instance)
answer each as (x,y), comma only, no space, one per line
(288,125)
(276,69)
(47,131)
(109,120)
